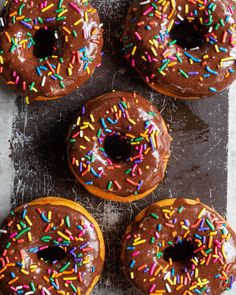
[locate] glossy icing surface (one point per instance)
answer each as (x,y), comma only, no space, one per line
(76,45)
(37,228)
(140,124)
(201,70)
(210,268)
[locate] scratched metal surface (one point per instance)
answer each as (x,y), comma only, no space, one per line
(197,167)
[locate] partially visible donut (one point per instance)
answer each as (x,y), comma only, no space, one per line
(50,246)
(118,147)
(49,48)
(181,247)
(184,49)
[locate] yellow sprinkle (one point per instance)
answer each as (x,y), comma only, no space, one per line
(186,8)
(216,48)
(28,221)
(202,211)
(29,236)
(134,50)
(132,275)
(47,7)
(92,118)
(63,236)
(88,70)
(70,279)
(87,138)
(139,242)
(24,271)
(153,51)
(132,121)
(171,25)
(78,121)
(63,12)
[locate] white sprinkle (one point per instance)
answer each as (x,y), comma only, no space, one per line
(168,288)
(180,17)
(1,22)
(3,231)
(144,2)
(81,133)
(195,48)
(43,81)
(167,275)
(46,291)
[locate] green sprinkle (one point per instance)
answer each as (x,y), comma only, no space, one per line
(124,104)
(61,18)
(180,209)
(183,74)
(8,245)
(152,114)
(62,85)
(32,286)
(73,288)
(172,42)
(128,171)
(211,226)
(20,9)
(154,215)
(152,240)
(22,232)
(164,66)
(109,185)
(67,220)
(74,33)
(99,132)
(65,267)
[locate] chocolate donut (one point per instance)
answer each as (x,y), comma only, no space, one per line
(184,49)
(49,48)
(118,147)
(50,246)
(181,247)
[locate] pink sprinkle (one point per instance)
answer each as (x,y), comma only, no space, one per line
(152,288)
(148,10)
(74,6)
(153,268)
(136,253)
(138,36)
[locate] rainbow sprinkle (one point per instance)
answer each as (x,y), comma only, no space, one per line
(75,24)
(201,70)
(148,267)
(127,117)
(35,229)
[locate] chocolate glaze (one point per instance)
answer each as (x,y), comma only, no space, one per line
(152,252)
(153,164)
(81,51)
(149,34)
(22,247)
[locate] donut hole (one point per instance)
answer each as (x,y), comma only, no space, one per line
(117,147)
(52,254)
(182,251)
(44,43)
(188,35)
